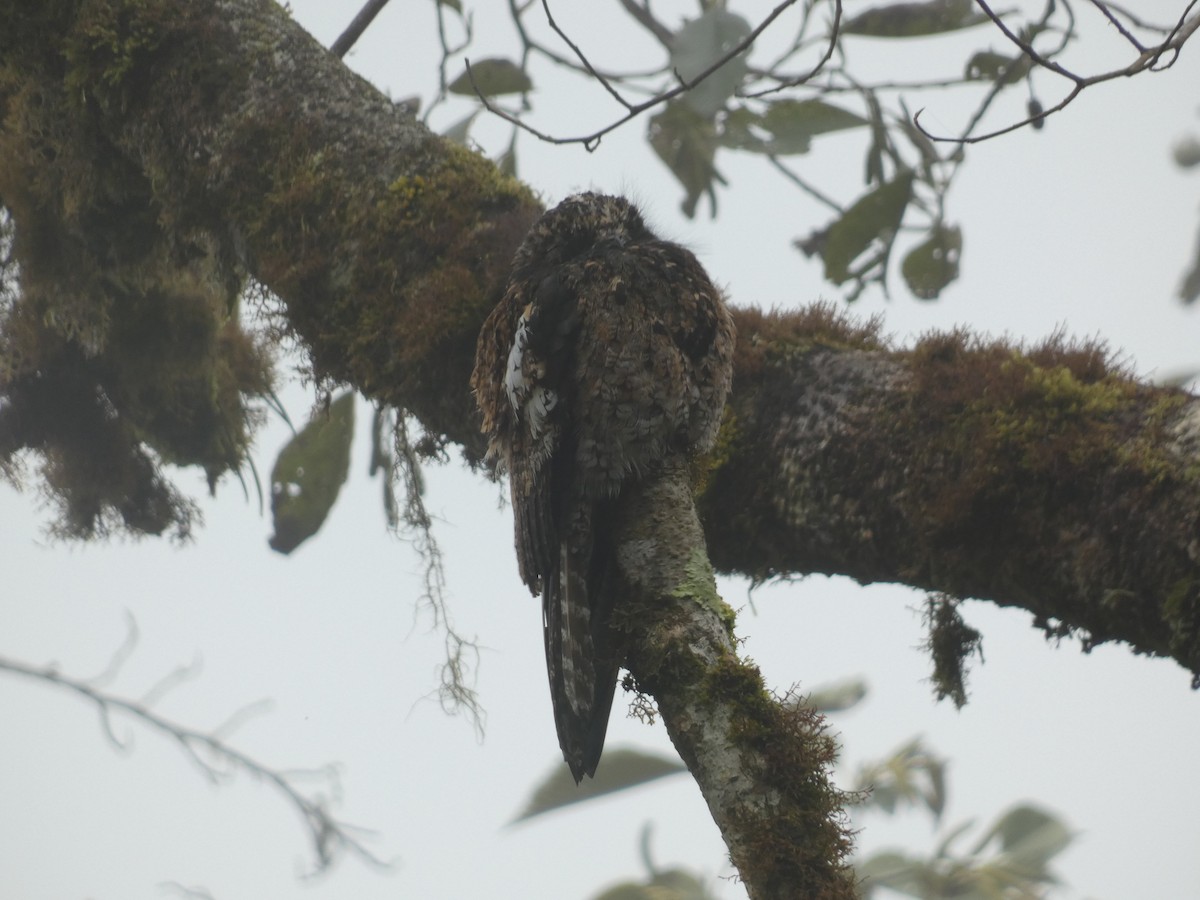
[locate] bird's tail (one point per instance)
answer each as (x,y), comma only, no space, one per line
(579,656)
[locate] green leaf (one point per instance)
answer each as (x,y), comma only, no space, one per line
(461,130)
(507,162)
(699,44)
(1187,152)
(687,143)
(942,850)
(740,130)
(620,769)
(671,884)
(492,77)
(892,870)
(1031,837)
(793,123)
(627,891)
(874,216)
(309,472)
(928,268)
(455,5)
(903,20)
(988,66)
(1178,378)
(837,697)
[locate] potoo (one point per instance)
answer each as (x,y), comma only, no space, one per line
(609,352)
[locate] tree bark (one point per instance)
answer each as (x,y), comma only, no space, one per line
(1046,479)
(762,762)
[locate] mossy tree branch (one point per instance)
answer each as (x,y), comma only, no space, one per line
(1047,478)
(762,765)
(154,152)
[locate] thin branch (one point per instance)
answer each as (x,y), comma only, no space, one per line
(1147,61)
(1133,19)
(355,29)
(530,45)
(170,681)
(1026,46)
(804,185)
(591,141)
(646,19)
(834,32)
(1117,24)
(328,835)
(120,656)
(447,52)
(604,82)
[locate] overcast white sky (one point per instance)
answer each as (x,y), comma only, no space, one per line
(1085,225)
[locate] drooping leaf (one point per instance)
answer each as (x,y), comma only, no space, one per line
(627,890)
(492,77)
(1189,288)
(699,44)
(1178,378)
(942,850)
(741,129)
(687,143)
(893,870)
(837,697)
(671,884)
(989,66)
(461,130)
(507,162)
(912,775)
(1036,112)
(620,769)
(1186,152)
(1029,836)
(793,123)
(932,265)
(874,216)
(904,20)
(455,5)
(678,884)
(308,474)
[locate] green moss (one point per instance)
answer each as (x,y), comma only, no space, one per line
(1056,416)
(700,586)
(701,468)
(122,319)
(951,642)
(797,755)
(766,336)
(108,43)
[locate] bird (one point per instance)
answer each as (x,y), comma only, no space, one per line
(609,353)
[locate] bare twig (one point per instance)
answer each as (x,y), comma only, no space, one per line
(329,836)
(447,52)
(1026,46)
(120,655)
(1148,60)
(646,19)
(170,681)
(834,32)
(1117,24)
(804,185)
(591,141)
(604,82)
(1132,18)
(355,29)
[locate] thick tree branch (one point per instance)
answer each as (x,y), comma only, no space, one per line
(1047,479)
(762,765)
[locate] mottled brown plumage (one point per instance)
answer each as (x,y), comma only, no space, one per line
(609,352)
